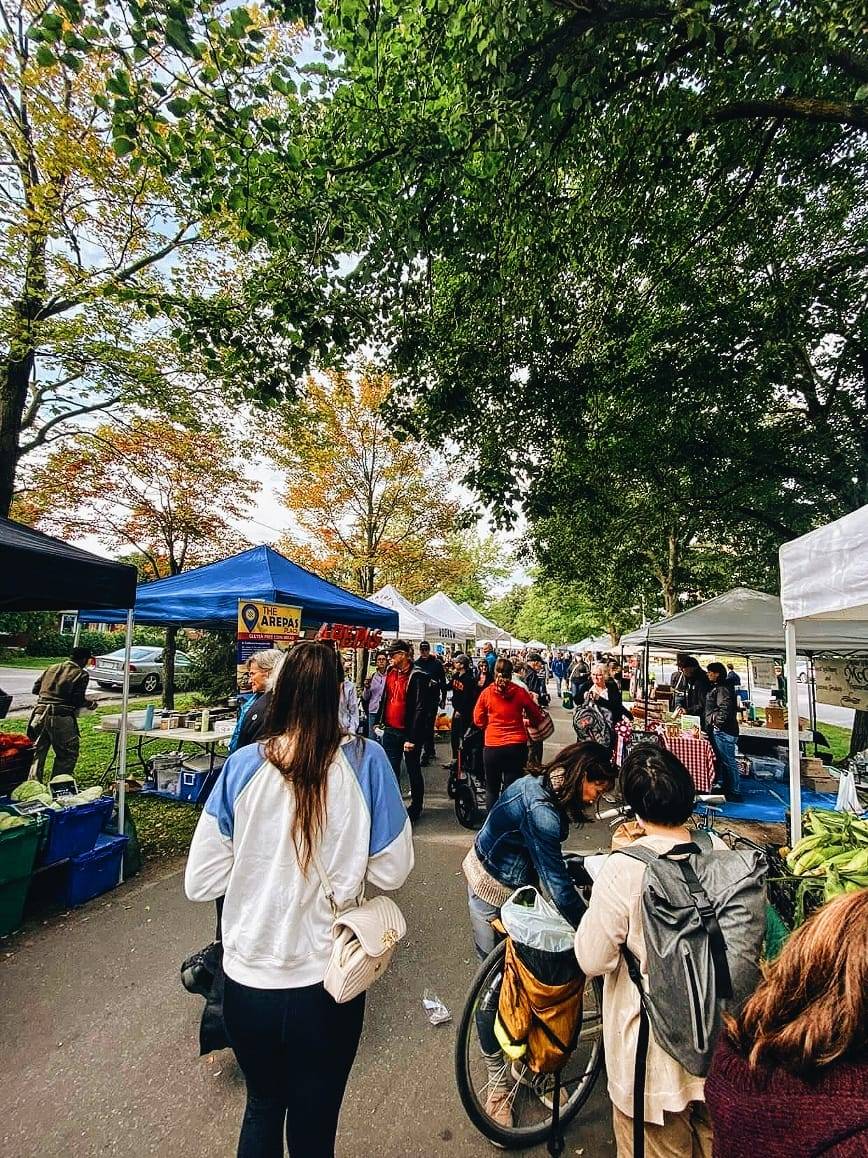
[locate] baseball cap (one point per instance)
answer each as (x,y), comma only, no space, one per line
(534,657)
(399,645)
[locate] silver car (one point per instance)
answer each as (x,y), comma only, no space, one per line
(146,669)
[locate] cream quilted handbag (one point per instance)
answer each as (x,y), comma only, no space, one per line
(364,937)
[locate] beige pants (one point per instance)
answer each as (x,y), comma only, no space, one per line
(683,1135)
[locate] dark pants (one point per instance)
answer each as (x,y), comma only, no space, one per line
(430,752)
(502,767)
(393,743)
(459,727)
(57,729)
(296,1048)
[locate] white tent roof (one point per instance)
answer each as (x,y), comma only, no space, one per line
(745,622)
(593,643)
(535,643)
(414,624)
(824,575)
(447,610)
(470,612)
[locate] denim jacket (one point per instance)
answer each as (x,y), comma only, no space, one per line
(520,844)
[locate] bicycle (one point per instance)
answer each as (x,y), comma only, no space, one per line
(532,1113)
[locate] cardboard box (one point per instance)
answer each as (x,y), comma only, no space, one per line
(776,717)
(820,783)
(813,766)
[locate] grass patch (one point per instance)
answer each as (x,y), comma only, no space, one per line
(164,829)
(38,662)
(838,737)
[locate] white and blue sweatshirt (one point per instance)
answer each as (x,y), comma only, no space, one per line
(277,921)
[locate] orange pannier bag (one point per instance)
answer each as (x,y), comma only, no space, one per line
(539,1013)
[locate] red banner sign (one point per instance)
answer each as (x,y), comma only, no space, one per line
(345,636)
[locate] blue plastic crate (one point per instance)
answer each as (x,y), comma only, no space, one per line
(73,831)
(94,872)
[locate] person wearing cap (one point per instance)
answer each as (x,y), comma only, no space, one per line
(53,723)
(403,715)
(535,682)
(436,673)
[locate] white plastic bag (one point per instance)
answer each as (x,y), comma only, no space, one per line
(848,800)
(533,921)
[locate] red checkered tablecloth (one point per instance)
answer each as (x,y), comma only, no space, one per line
(697,756)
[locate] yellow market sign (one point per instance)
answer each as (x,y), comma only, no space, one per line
(267,624)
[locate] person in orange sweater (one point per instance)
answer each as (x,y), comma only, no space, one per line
(500,712)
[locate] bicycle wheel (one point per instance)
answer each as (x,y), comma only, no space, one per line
(466,808)
(531,1117)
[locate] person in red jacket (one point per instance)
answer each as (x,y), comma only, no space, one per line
(790,1072)
(501,711)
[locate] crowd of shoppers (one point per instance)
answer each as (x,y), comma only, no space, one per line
(303,782)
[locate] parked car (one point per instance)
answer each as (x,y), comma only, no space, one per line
(146,669)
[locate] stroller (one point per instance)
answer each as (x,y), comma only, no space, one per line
(467,783)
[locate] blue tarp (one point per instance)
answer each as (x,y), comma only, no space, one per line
(207,597)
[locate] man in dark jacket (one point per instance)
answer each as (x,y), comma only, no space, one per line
(431,666)
(696,689)
(721,723)
(62,692)
(404,716)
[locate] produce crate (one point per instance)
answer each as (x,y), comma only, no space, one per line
(784,888)
(93,873)
(13,894)
(18,850)
(73,831)
(14,770)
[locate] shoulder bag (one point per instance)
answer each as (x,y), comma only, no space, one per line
(364,939)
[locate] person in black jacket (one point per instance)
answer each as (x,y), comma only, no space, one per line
(465,692)
(436,673)
(696,688)
(404,715)
(721,723)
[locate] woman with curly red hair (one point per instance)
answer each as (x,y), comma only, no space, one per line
(790,1073)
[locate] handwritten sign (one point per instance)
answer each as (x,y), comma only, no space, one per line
(842,682)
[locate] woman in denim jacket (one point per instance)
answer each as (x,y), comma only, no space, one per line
(520,844)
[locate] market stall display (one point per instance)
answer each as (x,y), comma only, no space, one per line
(695,753)
(824,587)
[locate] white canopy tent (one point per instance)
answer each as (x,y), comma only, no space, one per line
(448,611)
(824,588)
(414,624)
(593,643)
(746,622)
(536,644)
(470,612)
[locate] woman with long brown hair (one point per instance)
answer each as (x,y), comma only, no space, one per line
(307,789)
(790,1073)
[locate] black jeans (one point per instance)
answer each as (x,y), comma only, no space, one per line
(296,1048)
(502,767)
(459,727)
(393,743)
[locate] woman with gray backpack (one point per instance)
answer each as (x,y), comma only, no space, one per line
(675,927)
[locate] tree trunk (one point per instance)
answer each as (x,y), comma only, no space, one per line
(169,667)
(17,367)
(859,735)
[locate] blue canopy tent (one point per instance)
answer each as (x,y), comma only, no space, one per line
(207,597)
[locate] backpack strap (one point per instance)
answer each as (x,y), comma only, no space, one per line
(641,1055)
(639,852)
(708,916)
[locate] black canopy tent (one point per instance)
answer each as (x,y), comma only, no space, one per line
(39,573)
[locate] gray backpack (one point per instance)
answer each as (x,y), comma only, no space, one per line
(703,919)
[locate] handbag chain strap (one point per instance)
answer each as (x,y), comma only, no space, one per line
(325,882)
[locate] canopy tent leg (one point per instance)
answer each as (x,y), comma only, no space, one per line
(812,700)
(793,730)
(645,679)
(76,635)
(122,734)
